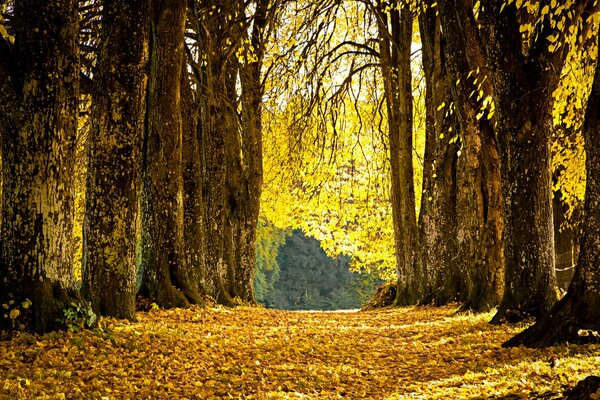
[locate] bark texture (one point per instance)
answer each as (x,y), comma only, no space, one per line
(38,122)
(576,318)
(395,36)
(523,80)
(216,121)
(166,278)
(193,198)
(437,218)
(115,159)
(480,252)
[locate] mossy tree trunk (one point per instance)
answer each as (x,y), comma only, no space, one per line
(250,189)
(576,318)
(166,278)
(115,159)
(38,122)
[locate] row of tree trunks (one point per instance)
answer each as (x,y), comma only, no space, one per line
(38,122)
(250,190)
(217,120)
(231,145)
(115,159)
(523,83)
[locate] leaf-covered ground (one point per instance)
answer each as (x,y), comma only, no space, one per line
(256,353)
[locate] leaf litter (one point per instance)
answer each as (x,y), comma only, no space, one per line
(256,353)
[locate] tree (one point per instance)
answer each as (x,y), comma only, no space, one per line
(576,317)
(115,159)
(524,73)
(218,127)
(166,279)
(229,71)
(437,216)
(480,222)
(395,36)
(38,121)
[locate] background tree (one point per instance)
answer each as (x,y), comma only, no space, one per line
(166,279)
(115,159)
(395,34)
(38,114)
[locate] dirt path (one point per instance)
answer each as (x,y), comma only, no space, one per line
(256,353)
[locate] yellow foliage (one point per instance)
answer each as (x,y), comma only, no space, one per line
(255,353)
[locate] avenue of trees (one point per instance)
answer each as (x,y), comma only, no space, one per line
(170,108)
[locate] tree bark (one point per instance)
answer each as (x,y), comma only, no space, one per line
(395,55)
(218,121)
(576,318)
(437,218)
(251,144)
(38,122)
(523,82)
(166,279)
(193,198)
(115,159)
(480,252)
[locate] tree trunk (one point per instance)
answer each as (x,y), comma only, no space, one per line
(193,200)
(576,318)
(437,218)
(115,159)
(38,117)
(252,170)
(166,279)
(523,82)
(480,253)
(218,121)
(395,55)
(564,243)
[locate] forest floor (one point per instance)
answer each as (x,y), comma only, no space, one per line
(255,353)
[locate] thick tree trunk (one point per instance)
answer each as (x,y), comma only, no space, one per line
(522,89)
(479,200)
(395,63)
(218,121)
(38,117)
(437,218)
(115,159)
(576,318)
(193,201)
(166,279)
